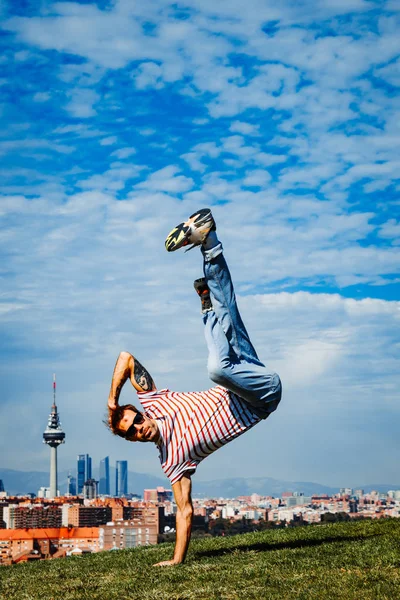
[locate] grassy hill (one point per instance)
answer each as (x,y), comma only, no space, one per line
(357,560)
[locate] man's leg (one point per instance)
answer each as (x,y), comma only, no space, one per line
(250,381)
(233,361)
(223,299)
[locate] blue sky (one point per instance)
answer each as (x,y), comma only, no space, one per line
(119,120)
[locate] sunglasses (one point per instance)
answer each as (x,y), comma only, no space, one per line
(137,420)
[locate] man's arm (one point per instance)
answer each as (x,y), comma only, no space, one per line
(183,497)
(128,367)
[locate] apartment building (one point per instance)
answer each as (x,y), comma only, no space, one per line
(33,544)
(141,530)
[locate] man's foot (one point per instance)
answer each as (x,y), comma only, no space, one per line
(194,231)
(201,287)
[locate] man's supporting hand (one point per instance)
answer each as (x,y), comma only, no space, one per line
(166,563)
(183,497)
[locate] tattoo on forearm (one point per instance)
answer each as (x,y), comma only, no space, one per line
(142,377)
(119,388)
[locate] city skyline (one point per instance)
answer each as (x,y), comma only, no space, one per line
(119,121)
(213,488)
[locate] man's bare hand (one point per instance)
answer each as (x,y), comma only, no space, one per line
(166,563)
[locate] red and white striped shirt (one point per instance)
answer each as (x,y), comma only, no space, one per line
(193,425)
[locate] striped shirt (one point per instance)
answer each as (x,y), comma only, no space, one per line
(193,425)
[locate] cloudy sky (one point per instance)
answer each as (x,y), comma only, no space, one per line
(119,120)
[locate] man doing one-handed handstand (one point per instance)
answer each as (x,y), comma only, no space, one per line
(188,426)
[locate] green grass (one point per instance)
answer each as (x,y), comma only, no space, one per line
(358,560)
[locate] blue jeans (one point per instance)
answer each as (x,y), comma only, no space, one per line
(232,359)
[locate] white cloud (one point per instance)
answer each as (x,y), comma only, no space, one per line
(390,230)
(32,146)
(193,160)
(149,75)
(109,141)
(122,153)
(256,177)
(146,131)
(112,180)
(267,160)
(41,97)
(199,152)
(390,73)
(244,128)
(81,104)
(81,130)
(166,180)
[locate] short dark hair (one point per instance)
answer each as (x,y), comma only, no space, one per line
(114,417)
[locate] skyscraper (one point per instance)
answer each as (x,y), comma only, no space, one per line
(104,483)
(71,485)
(121,478)
(88,467)
(90,489)
(81,472)
(53,437)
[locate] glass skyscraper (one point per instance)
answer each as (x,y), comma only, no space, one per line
(71,485)
(121,478)
(83,471)
(104,483)
(80,472)
(88,467)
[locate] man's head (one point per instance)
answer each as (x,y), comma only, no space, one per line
(133,425)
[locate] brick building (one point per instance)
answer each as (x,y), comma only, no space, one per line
(31,516)
(87,516)
(142,530)
(18,545)
(159,494)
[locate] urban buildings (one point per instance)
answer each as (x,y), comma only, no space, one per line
(53,437)
(104,477)
(34,528)
(121,478)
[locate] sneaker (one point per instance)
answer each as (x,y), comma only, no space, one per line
(194,231)
(201,287)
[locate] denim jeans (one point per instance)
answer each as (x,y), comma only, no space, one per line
(232,360)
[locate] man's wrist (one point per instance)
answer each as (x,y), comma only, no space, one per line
(112,404)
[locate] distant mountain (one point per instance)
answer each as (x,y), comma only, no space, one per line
(22,482)
(265,486)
